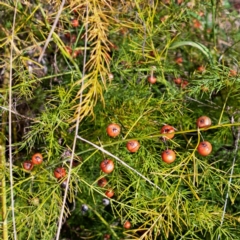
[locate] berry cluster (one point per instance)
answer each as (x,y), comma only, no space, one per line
(204,148)
(168,156)
(37,159)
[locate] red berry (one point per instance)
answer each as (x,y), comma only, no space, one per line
(127,225)
(152,79)
(102,182)
(76,53)
(109,193)
(152,54)
(67,35)
(28,165)
(113,130)
(178,81)
(232,73)
(69,50)
(75,23)
(168,156)
(168,131)
(204,122)
(37,158)
(179,60)
(201,68)
(184,84)
(107,166)
(196,23)
(59,172)
(107,236)
(133,146)
(204,148)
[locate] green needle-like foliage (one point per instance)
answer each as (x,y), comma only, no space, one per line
(64,83)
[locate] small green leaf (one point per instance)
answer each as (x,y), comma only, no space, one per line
(199,46)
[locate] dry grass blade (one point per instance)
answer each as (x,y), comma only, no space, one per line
(10,123)
(51,31)
(75,138)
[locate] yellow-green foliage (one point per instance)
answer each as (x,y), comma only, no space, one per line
(63,88)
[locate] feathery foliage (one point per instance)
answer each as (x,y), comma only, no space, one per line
(94,72)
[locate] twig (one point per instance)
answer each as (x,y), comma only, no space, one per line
(231,175)
(121,161)
(76,131)
(10,124)
(204,104)
(20,115)
(51,31)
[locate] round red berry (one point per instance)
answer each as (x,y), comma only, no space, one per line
(102,182)
(37,158)
(204,122)
(178,81)
(28,165)
(113,130)
(152,79)
(168,131)
(59,172)
(168,156)
(107,166)
(133,146)
(127,225)
(109,193)
(107,236)
(75,23)
(184,84)
(204,148)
